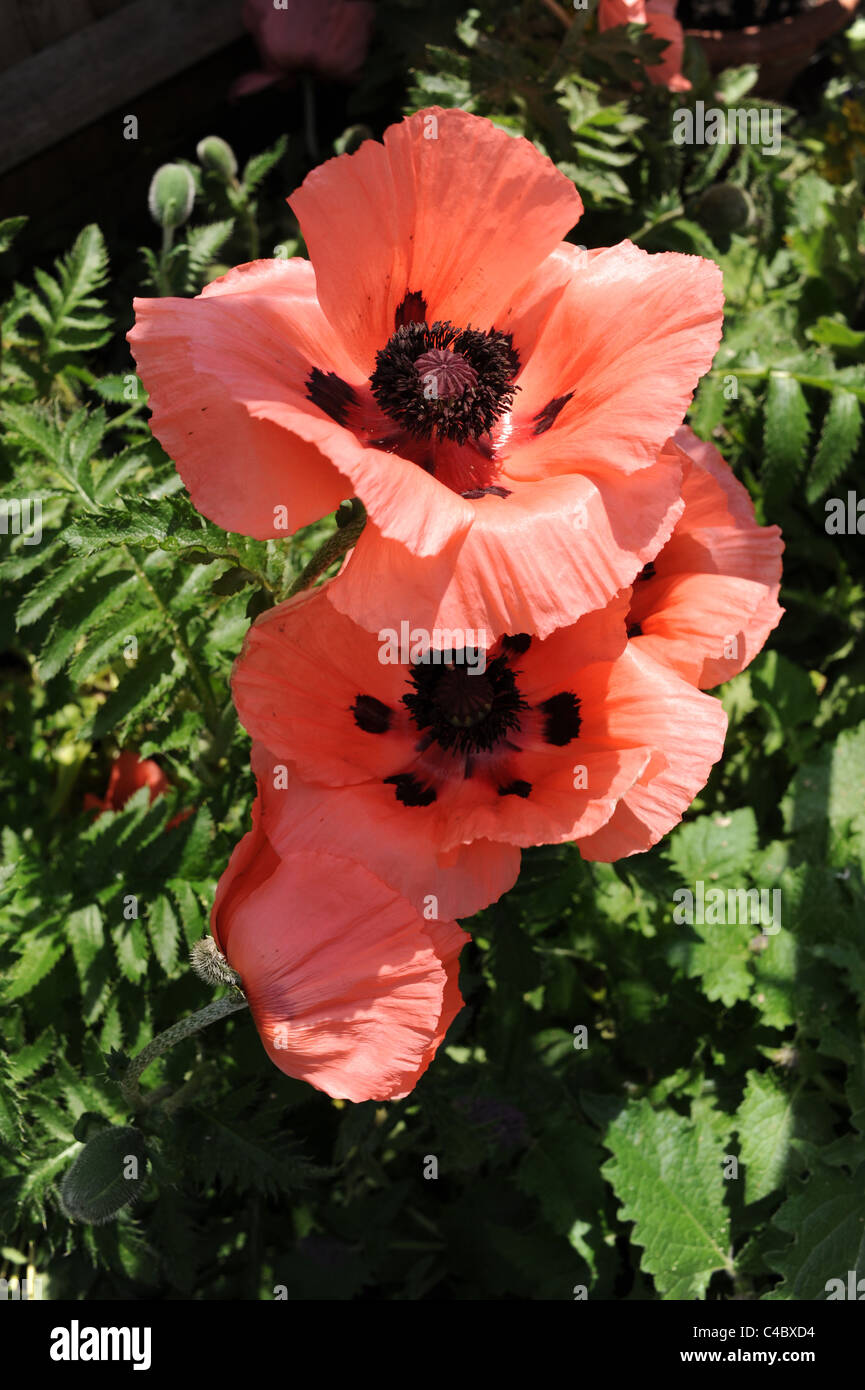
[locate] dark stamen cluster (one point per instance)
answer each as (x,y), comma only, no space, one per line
(460,708)
(445,381)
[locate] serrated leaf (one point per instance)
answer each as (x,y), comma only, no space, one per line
(98,600)
(143,687)
(203,243)
(785,434)
(838,439)
(713,848)
(41,952)
(191,914)
(260,165)
(59,581)
(765,1121)
(86,937)
(130,944)
(831,786)
(667,1174)
(106,646)
(164,932)
(195,861)
(32,1056)
(10,1109)
(826,1215)
(9,229)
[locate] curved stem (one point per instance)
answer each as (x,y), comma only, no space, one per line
(336,545)
(163,1042)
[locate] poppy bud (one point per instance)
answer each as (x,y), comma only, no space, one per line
(217,156)
(172,193)
(106,1176)
(724,208)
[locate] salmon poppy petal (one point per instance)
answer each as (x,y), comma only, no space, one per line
(348,986)
(260,448)
(662,24)
(520,752)
(449,207)
(252,861)
(555,811)
(659,15)
(368,824)
(226,373)
(619,356)
(711,599)
(648,701)
(301,671)
(532,562)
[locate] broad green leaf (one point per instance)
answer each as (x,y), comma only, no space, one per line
(766,1123)
(668,1176)
(826,1217)
(714,847)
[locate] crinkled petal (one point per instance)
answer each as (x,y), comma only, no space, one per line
(227,373)
(368,824)
(348,986)
(712,600)
(532,562)
(626,342)
(449,206)
(302,668)
(648,701)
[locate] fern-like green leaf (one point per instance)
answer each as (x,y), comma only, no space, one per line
(838,439)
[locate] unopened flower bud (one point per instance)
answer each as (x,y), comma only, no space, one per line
(172,193)
(217,156)
(210,964)
(106,1176)
(724,208)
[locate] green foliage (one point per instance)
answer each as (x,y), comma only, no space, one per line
(704,1136)
(668,1174)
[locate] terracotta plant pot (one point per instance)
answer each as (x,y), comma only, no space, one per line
(781,50)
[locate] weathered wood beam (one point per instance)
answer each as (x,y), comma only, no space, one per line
(49,96)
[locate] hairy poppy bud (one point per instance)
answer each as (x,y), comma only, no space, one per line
(106,1176)
(217,156)
(172,193)
(724,208)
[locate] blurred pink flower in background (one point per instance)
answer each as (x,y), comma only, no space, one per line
(128,774)
(659,15)
(327,37)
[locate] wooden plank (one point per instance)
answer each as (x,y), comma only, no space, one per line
(101,8)
(52,94)
(26,26)
(14,41)
(49,21)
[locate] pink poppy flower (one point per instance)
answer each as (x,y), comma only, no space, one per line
(496,398)
(375,830)
(704,607)
(659,15)
(328,37)
(708,601)
(128,774)
(530,742)
(350,989)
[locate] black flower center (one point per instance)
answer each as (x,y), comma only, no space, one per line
(461,708)
(439,381)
